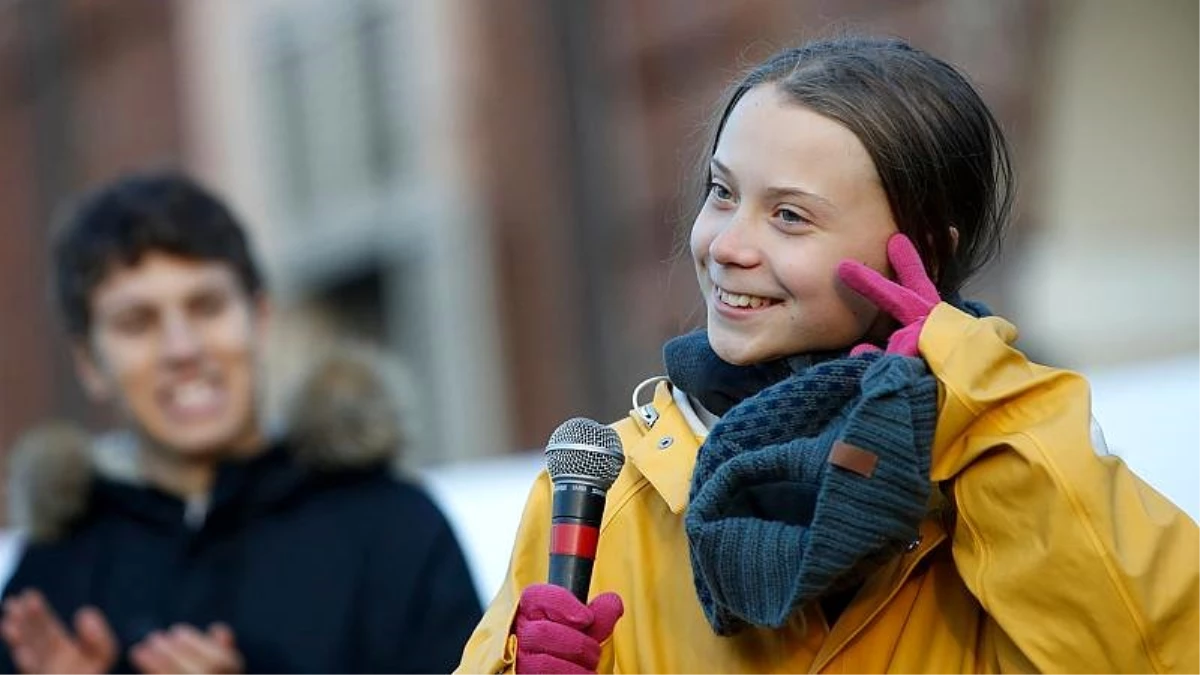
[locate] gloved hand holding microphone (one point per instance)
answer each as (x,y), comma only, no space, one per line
(556,632)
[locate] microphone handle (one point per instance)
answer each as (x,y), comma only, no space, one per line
(574,534)
(572,573)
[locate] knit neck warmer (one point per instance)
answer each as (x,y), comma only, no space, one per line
(694,367)
(817,471)
(771,523)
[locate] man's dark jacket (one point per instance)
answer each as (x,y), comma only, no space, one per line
(316,568)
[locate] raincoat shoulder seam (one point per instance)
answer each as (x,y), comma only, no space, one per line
(1080,514)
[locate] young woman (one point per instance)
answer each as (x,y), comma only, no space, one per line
(852,469)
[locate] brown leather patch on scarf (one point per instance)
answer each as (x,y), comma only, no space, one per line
(853,458)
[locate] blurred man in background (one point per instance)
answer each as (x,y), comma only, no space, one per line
(200,544)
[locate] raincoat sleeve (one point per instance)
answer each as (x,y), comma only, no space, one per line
(490,648)
(1079,564)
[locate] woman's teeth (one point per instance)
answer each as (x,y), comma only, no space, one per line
(740,300)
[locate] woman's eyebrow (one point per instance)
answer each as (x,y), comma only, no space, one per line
(779,192)
(783,192)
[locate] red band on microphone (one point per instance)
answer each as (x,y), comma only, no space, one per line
(576,540)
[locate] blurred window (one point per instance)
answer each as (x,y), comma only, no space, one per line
(334,126)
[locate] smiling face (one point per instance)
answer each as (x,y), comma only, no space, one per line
(173,342)
(793,193)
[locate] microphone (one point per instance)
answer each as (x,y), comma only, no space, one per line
(583,458)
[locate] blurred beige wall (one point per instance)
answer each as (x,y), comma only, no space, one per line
(217,80)
(1109,271)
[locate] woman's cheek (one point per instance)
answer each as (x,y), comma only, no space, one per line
(699,239)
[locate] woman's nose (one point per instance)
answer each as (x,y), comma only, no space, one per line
(736,243)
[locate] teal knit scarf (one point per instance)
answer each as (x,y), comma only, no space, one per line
(778,516)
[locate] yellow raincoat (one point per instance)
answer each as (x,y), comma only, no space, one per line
(1051,558)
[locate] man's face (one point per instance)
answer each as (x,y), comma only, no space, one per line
(174,343)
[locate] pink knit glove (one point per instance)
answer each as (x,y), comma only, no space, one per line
(556,633)
(909,301)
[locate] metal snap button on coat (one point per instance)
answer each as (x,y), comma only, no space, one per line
(665,442)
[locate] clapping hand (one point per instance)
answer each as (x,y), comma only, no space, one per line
(40,643)
(185,649)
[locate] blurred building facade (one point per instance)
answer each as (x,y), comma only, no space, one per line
(495,190)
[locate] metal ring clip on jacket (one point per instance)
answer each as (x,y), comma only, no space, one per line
(647,412)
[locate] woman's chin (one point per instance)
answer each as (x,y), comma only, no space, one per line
(741,350)
(737,351)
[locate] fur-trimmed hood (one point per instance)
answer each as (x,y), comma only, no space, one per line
(343,416)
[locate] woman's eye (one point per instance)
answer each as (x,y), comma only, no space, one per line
(791,217)
(719,192)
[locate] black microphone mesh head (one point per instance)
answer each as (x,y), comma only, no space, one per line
(585,449)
